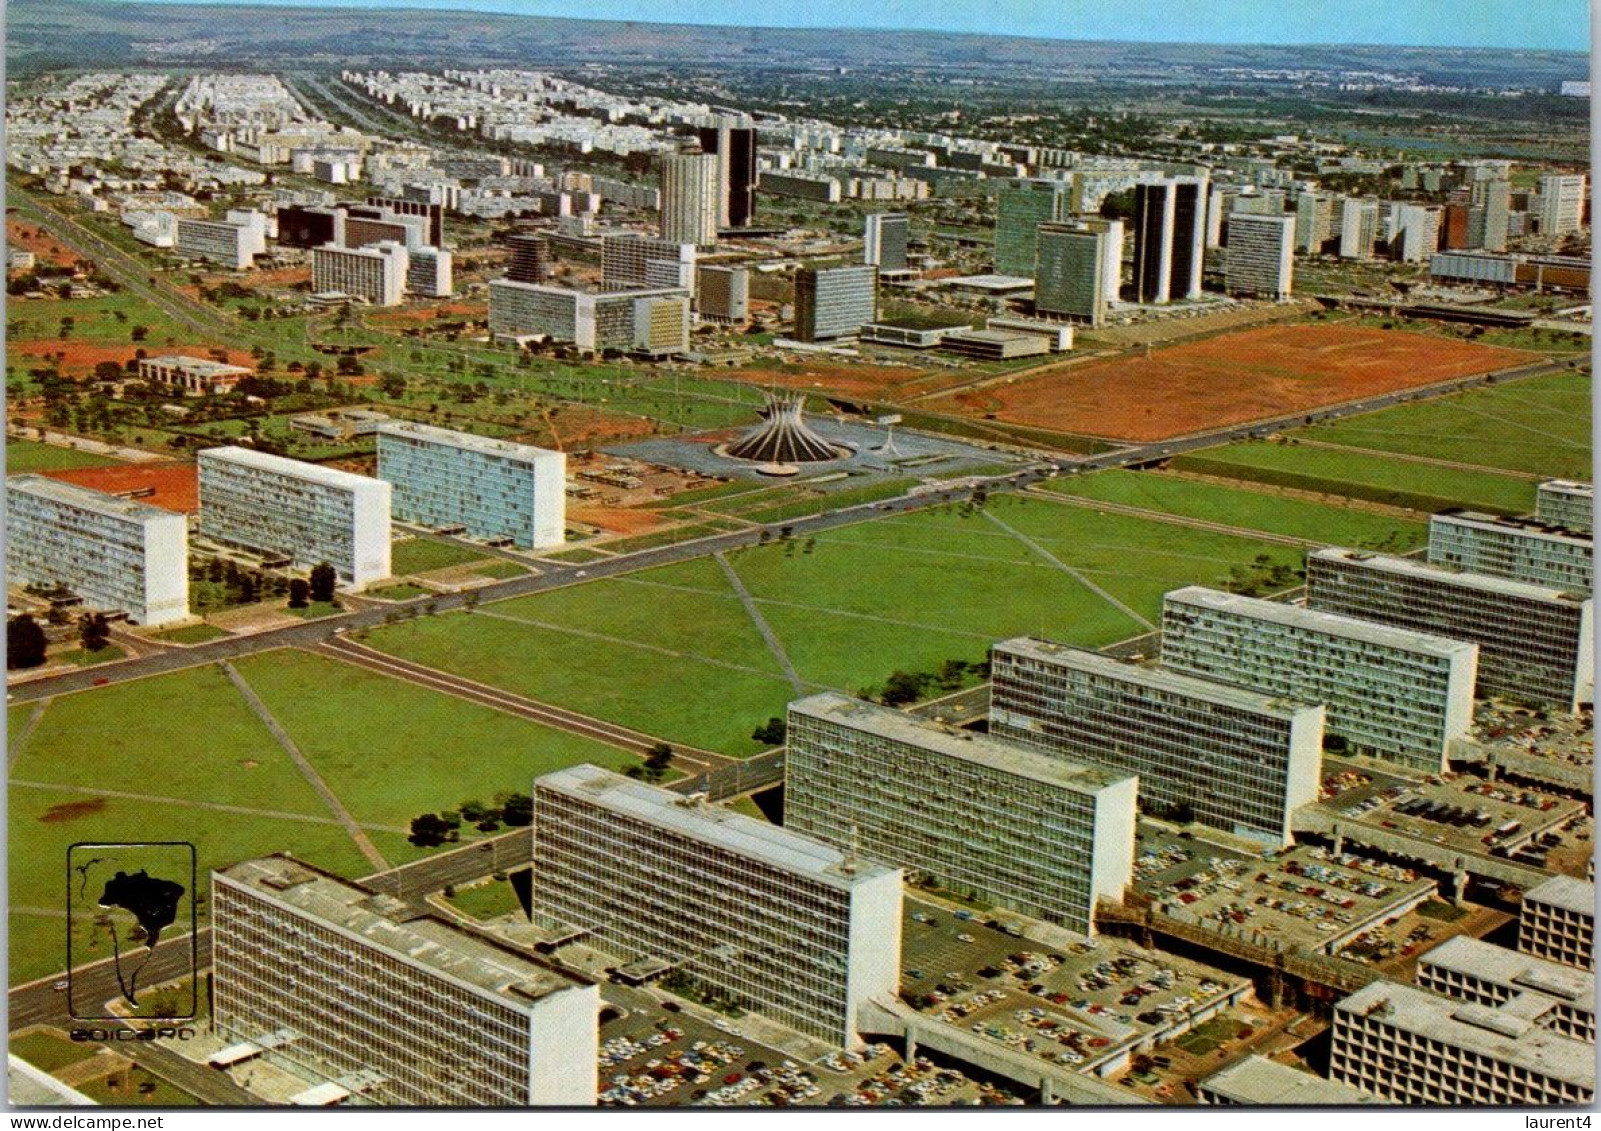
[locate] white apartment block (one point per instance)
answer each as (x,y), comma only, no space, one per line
(1564,503)
(1561,203)
(1415,1047)
(1549,995)
(1239,760)
(1261,255)
(1536,644)
(375,274)
(116,554)
(1557,921)
(690,198)
(786,925)
(357,990)
(1515,548)
(1391,693)
(223,241)
(1034,833)
(302,511)
(1359,228)
(493,488)
(430,272)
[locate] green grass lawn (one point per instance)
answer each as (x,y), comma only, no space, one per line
(30,455)
(84,658)
(419,555)
(48,1052)
(192,634)
(392,750)
(501,570)
(488,900)
(136,1087)
(402,592)
(578,555)
(1252,509)
(315,609)
(1540,425)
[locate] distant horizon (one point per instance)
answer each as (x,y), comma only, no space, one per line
(1551,25)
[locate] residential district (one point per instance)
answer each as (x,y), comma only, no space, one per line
(637,595)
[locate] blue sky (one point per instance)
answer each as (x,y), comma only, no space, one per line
(1556,24)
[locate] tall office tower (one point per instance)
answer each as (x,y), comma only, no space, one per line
(1391,693)
(834,302)
(689,197)
(530,258)
(1564,503)
(1314,214)
(1561,203)
(1070,271)
(1169,238)
(1261,255)
(722,293)
(1455,226)
(1551,995)
(303,512)
(885,240)
(1037,834)
(782,924)
(493,488)
(1359,228)
(1521,549)
(1414,232)
(1490,214)
(375,274)
(1236,759)
(1535,644)
(1019,211)
(1556,920)
(1415,1047)
(116,554)
(735,147)
(374,998)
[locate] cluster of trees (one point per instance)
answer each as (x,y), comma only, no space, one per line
(903,687)
(514,810)
(771,733)
(658,760)
(1262,577)
(25,643)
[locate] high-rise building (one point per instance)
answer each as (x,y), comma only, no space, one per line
(310,227)
(1236,759)
(433,211)
(117,554)
(493,488)
(1561,203)
(1564,503)
(834,302)
(1359,228)
(1391,693)
(1489,215)
(1536,644)
(1028,831)
(386,1005)
(1414,232)
(1521,549)
(1551,995)
(1019,211)
(1070,276)
(1169,238)
(430,272)
(722,293)
(303,512)
(1557,921)
(375,274)
(1416,1047)
(689,197)
(229,242)
(782,924)
(1314,215)
(530,258)
(1261,255)
(735,148)
(885,240)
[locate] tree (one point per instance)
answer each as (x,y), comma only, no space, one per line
(323,580)
(770,733)
(108,371)
(659,757)
(393,386)
(299,593)
(428,831)
(474,811)
(25,643)
(903,687)
(138,333)
(518,811)
(94,631)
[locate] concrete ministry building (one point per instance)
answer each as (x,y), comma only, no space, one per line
(1509,547)
(1261,255)
(1256,1080)
(1552,996)
(1070,274)
(118,555)
(493,488)
(1535,644)
(1239,759)
(1169,238)
(653,321)
(375,274)
(834,302)
(302,511)
(191,376)
(1390,692)
(1562,502)
(1557,921)
(885,239)
(357,989)
(784,924)
(1038,834)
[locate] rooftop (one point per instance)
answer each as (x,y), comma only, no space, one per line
(1514,970)
(84,498)
(393,926)
(1258,1080)
(1312,620)
(465,440)
(299,469)
(723,828)
(1569,487)
(1503,586)
(964,744)
(1526,526)
(1159,679)
(1565,892)
(199,365)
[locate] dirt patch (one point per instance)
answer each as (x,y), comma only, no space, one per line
(616,520)
(44,246)
(78,359)
(173,486)
(73,810)
(875,382)
(1230,379)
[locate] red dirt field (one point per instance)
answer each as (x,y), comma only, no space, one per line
(470,310)
(875,382)
(616,520)
(176,484)
(579,426)
(30,237)
(82,357)
(1230,379)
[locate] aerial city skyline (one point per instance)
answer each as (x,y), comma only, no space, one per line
(595,565)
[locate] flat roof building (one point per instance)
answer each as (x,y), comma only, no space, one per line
(1169,238)
(1261,255)
(1557,921)
(229,242)
(1258,1080)
(375,274)
(116,554)
(691,197)
(1070,272)
(1535,644)
(1019,211)
(834,302)
(1028,831)
(345,982)
(493,488)
(780,923)
(1562,502)
(722,293)
(1412,1046)
(1521,549)
(1392,693)
(884,240)
(1551,995)
(303,511)
(653,321)
(191,376)
(1236,759)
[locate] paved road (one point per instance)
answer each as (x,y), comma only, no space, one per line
(39,1003)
